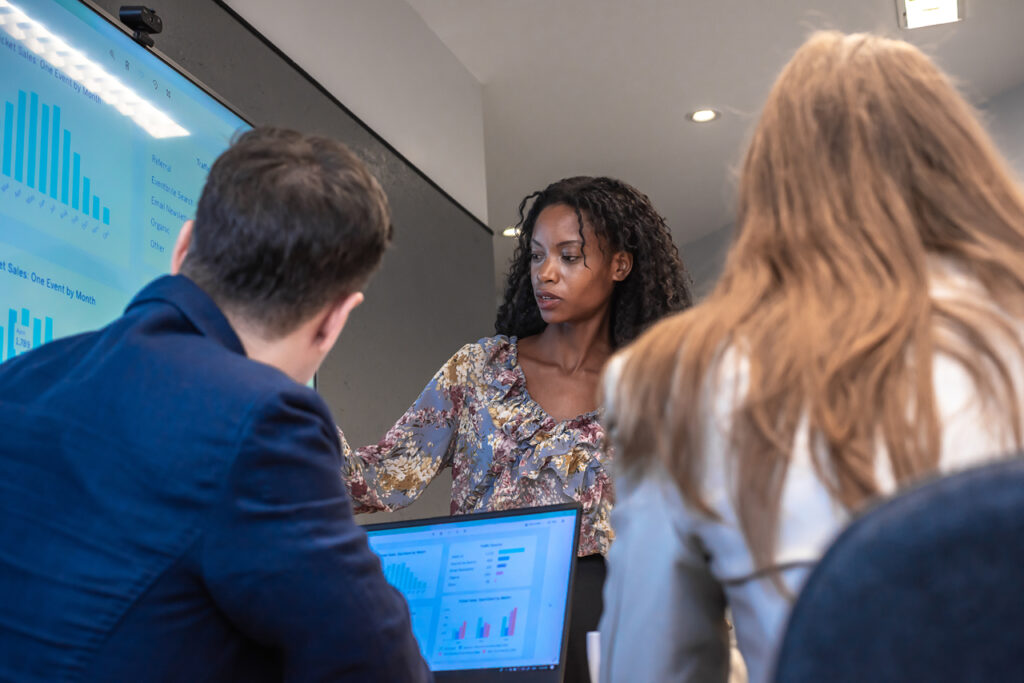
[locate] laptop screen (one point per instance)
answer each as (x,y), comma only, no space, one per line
(486,591)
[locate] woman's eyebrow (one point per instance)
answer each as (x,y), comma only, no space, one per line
(566,243)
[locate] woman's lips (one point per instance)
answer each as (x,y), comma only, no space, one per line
(546,301)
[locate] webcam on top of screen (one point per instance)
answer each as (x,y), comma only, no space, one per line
(143,22)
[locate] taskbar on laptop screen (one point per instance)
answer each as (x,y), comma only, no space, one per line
(505,674)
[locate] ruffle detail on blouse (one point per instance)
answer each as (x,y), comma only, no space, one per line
(530,440)
(501,373)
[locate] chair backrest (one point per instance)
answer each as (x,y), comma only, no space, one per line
(928,586)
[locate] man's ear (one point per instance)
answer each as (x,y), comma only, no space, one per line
(334,320)
(181,246)
(622,264)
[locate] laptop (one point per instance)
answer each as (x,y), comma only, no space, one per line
(488,593)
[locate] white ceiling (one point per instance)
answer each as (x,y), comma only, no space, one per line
(601,87)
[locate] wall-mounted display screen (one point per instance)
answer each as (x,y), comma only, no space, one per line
(104,148)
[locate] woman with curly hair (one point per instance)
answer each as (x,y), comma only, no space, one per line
(514,415)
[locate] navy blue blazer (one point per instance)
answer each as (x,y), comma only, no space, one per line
(172,510)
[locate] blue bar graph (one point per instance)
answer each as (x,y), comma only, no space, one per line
(37,152)
(33,135)
(12,321)
(55,152)
(42,332)
(76,173)
(8,137)
(44,150)
(19,149)
(402,577)
(65,177)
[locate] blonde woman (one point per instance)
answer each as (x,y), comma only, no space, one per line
(866,332)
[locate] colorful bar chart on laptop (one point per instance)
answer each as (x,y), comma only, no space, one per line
(483,628)
(478,624)
(479,565)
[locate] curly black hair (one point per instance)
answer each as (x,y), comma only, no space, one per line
(657,285)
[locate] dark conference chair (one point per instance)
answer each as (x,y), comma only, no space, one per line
(928,586)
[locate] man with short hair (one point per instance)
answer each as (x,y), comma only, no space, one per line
(171,506)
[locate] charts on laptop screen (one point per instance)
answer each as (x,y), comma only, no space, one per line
(104,149)
(484,593)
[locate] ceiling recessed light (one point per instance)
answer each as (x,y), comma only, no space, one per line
(918,13)
(702,115)
(511,231)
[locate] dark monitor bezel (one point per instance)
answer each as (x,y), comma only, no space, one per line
(102,13)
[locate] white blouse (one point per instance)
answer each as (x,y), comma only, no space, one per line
(672,572)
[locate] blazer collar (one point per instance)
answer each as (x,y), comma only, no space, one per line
(194,304)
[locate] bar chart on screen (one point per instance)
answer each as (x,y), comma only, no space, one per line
(55,178)
(414,572)
(104,150)
(472,625)
(490,565)
(483,628)
(487,592)
(40,302)
(41,156)
(23,332)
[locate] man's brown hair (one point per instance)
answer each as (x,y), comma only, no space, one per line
(286,223)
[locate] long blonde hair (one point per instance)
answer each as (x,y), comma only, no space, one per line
(866,164)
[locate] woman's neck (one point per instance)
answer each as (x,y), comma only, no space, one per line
(574,346)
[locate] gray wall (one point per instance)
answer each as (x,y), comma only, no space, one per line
(705,257)
(434,292)
(1004,115)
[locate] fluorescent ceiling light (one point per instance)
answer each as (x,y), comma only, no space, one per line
(918,13)
(89,74)
(702,115)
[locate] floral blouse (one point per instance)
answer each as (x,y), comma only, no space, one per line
(477,417)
